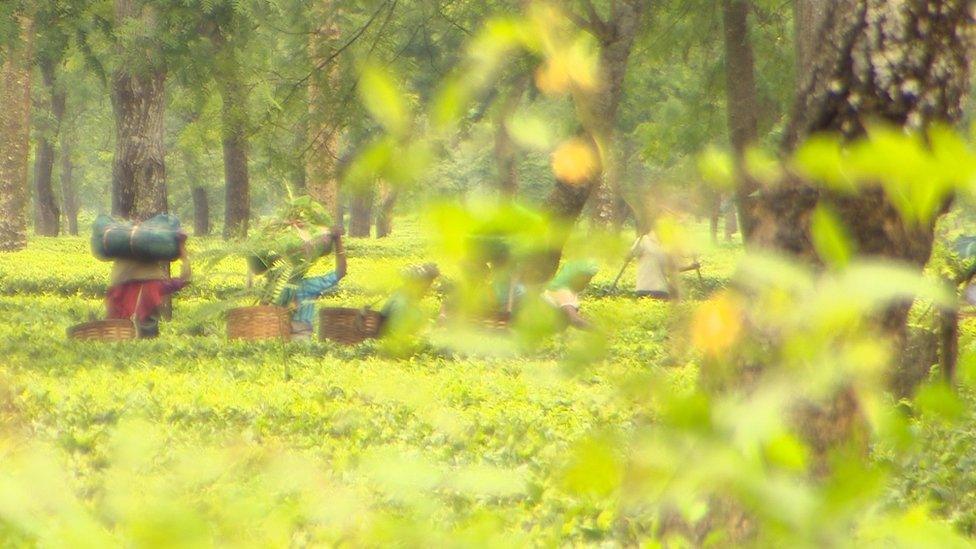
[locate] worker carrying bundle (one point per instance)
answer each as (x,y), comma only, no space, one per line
(285,249)
(140,280)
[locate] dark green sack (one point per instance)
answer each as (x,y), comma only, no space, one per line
(156,239)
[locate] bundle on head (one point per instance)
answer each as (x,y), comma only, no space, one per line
(299,236)
(156,239)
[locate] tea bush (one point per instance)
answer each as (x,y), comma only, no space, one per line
(192,439)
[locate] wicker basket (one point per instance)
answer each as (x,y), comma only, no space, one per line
(261,322)
(349,326)
(498,322)
(104,330)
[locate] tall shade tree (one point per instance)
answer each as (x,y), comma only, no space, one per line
(15,103)
(384,209)
(615,35)
(361,211)
(321,180)
(139,102)
(743,115)
(902,62)
(69,190)
(47,214)
(234,134)
(57,21)
(597,111)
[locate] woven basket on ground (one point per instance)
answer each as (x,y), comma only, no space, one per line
(349,326)
(261,322)
(498,322)
(104,330)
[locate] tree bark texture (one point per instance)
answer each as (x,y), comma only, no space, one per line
(361,213)
(139,168)
(384,210)
(902,62)
(234,120)
(201,212)
(69,193)
(15,103)
(808,22)
(598,110)
(47,215)
(321,179)
(139,103)
(742,109)
(906,63)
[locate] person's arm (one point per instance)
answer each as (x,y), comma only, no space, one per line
(575,318)
(340,253)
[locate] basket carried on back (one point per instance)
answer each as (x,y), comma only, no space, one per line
(104,330)
(349,326)
(261,322)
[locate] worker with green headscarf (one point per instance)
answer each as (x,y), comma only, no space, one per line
(564,289)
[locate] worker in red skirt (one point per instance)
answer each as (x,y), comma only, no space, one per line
(138,289)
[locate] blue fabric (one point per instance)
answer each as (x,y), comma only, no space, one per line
(307,291)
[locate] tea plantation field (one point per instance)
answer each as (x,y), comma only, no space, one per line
(191,440)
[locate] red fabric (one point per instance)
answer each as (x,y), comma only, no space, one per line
(123,298)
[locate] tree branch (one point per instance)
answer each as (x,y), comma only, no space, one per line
(600,27)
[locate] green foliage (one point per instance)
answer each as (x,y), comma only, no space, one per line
(194,438)
(670,423)
(917,171)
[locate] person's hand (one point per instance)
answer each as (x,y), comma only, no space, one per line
(337,232)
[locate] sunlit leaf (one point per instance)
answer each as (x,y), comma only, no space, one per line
(717,169)
(830,238)
(821,159)
(383,99)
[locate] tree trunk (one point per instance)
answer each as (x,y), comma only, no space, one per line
(201,212)
(361,213)
(731,223)
(743,115)
(47,215)
(857,77)
(599,113)
(714,214)
(139,103)
(384,213)
(902,62)
(14,139)
(808,22)
(505,160)
(321,178)
(234,120)
(139,168)
(69,194)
